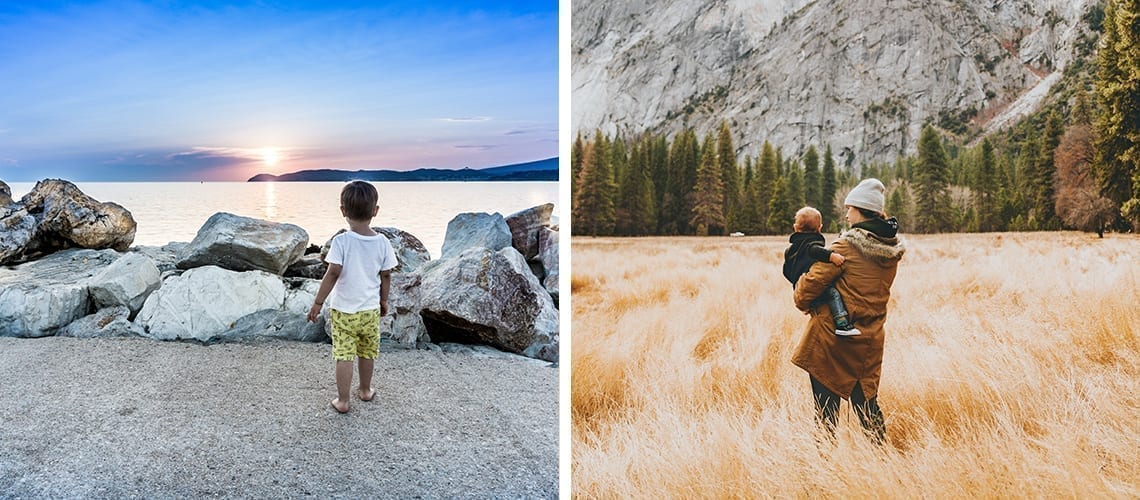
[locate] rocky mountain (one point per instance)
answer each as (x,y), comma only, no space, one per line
(863,76)
(541,170)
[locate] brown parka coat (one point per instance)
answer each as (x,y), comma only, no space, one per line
(864,281)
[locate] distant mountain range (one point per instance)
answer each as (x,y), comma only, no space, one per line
(541,170)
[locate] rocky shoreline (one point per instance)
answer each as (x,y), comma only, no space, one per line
(70,270)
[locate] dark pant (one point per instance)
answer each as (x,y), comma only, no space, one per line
(838,308)
(827,409)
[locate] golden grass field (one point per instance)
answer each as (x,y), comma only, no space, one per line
(1012,369)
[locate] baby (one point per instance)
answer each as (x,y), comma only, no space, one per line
(806,249)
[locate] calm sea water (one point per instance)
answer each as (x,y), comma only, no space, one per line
(173,211)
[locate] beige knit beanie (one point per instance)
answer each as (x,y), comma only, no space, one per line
(870,194)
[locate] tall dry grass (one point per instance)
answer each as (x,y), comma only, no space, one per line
(1012,369)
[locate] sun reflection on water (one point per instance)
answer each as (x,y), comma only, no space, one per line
(269,209)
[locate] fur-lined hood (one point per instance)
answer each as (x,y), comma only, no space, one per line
(881,250)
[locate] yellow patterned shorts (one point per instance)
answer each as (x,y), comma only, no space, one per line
(355,334)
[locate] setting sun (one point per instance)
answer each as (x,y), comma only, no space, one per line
(270,157)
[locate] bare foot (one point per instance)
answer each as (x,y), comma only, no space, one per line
(366,396)
(340,407)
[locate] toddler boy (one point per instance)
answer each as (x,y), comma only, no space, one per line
(360,265)
(806,249)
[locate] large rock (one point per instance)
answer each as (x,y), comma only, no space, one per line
(61,217)
(244,244)
(77,219)
(275,323)
(126,282)
(5,195)
(488,297)
(164,257)
(548,254)
(475,230)
(288,322)
(17,231)
(524,226)
(205,302)
(308,266)
(109,322)
(404,323)
(39,298)
(410,251)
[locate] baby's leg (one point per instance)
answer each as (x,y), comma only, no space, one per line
(843,325)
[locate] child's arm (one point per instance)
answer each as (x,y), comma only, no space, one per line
(385,284)
(331,275)
(819,253)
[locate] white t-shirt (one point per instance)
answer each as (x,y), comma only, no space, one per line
(362,258)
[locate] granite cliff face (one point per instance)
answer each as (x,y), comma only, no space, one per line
(864,76)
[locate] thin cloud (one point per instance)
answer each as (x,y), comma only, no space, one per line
(479,147)
(464,119)
(11,161)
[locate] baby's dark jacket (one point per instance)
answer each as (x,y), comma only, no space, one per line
(806,249)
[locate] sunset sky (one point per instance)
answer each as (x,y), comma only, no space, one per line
(112,91)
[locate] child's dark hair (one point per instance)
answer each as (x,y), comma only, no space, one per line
(359,200)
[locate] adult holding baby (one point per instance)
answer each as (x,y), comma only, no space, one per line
(849,367)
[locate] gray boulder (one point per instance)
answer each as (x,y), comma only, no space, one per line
(244,244)
(5,194)
(164,257)
(309,266)
(410,251)
(485,352)
(275,323)
(404,323)
(78,219)
(62,217)
(488,297)
(39,298)
(205,302)
(475,230)
(548,254)
(109,322)
(17,231)
(126,282)
(525,225)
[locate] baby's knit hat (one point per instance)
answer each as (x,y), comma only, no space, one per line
(869,194)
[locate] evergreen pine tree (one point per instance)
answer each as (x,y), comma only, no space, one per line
(576,151)
(677,201)
(708,204)
(1044,198)
(812,183)
(1117,123)
(932,197)
(619,158)
(986,188)
(726,157)
(765,183)
(896,205)
(658,173)
(635,200)
(778,206)
(1028,169)
(593,208)
(749,211)
(829,184)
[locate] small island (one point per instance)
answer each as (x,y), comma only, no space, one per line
(540,170)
